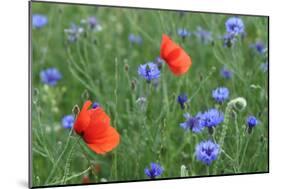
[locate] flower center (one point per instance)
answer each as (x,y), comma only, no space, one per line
(208,151)
(192,122)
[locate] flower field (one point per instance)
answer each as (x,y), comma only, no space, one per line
(123,94)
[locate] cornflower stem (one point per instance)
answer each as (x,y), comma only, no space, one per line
(244,151)
(237,140)
(223,132)
(237,104)
(208,170)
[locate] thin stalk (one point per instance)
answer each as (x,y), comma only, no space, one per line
(55,166)
(237,104)
(203,82)
(116,115)
(73,176)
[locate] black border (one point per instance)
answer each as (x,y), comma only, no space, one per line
(128,181)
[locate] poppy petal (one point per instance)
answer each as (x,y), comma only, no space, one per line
(167,46)
(107,143)
(98,125)
(178,70)
(83,118)
(180,64)
(177,59)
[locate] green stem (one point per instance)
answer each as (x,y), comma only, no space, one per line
(116,116)
(68,161)
(237,104)
(55,166)
(203,82)
(43,141)
(208,170)
(73,176)
(244,151)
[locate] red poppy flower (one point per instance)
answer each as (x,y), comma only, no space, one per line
(94,127)
(177,59)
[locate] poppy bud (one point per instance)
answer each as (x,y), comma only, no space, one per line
(76,110)
(126,67)
(133,84)
(262,139)
(201,77)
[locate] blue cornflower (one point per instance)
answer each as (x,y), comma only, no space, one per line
(93,22)
(182,32)
(95,105)
(193,124)
(149,71)
(74,32)
(226,73)
(252,121)
(135,39)
(39,20)
(220,94)
(154,171)
(207,152)
(203,35)
(212,118)
(229,39)
(50,76)
(264,67)
(67,121)
(182,99)
(259,47)
(234,25)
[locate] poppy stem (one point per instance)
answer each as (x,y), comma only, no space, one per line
(203,82)
(116,115)
(55,166)
(84,152)
(68,161)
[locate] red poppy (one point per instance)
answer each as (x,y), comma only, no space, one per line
(94,127)
(177,59)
